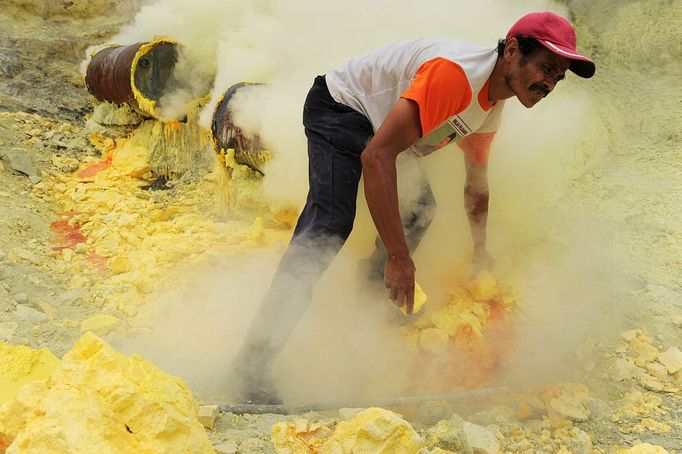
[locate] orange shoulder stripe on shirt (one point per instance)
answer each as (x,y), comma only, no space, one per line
(483,100)
(441,89)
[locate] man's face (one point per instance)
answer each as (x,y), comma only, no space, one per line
(533,78)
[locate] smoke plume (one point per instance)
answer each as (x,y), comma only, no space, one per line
(345,339)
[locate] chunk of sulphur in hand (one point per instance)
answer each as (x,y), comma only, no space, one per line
(419,300)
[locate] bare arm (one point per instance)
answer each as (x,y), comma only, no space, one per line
(476,197)
(400,129)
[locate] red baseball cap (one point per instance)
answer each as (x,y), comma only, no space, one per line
(557,35)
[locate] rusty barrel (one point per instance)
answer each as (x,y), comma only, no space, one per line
(248,150)
(135,75)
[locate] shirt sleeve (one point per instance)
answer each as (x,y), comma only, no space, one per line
(440,89)
(476,146)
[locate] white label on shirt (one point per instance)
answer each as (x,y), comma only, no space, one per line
(453,129)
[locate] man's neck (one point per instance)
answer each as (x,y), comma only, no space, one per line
(498,88)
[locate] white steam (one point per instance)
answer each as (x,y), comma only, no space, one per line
(342,339)
(288,43)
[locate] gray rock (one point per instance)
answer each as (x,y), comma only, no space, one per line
(430,413)
(622,369)
(481,440)
(10,65)
(28,256)
(658,371)
(57,141)
(598,408)
(650,383)
(570,409)
(25,313)
(582,444)
(671,359)
(7,330)
(448,435)
(256,445)
(20,161)
(229,447)
(71,296)
(21,298)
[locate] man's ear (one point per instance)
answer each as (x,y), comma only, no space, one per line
(511,50)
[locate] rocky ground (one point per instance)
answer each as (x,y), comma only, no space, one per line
(629,389)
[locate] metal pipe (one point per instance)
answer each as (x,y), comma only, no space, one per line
(135,75)
(384,402)
(248,150)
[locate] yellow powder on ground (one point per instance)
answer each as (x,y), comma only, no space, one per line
(97,400)
(651,425)
(433,340)
(20,365)
(636,403)
(376,431)
(131,159)
(644,448)
(141,235)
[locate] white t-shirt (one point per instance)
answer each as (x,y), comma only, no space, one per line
(445,77)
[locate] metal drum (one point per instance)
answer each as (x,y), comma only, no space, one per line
(248,150)
(136,75)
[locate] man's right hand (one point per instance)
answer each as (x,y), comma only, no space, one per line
(399,280)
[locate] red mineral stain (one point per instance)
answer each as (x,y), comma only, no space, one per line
(66,235)
(94,168)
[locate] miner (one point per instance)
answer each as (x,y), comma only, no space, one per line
(412,97)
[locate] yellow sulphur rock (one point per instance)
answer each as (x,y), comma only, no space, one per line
(98,400)
(419,300)
(376,431)
(20,365)
(299,437)
(484,287)
(119,265)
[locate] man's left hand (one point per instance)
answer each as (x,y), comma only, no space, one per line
(482,260)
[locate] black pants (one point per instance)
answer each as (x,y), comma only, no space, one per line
(337,136)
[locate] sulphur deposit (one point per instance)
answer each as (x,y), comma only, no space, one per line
(97,400)
(454,343)
(20,365)
(90,232)
(373,430)
(121,238)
